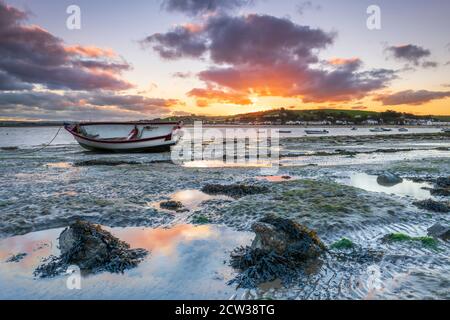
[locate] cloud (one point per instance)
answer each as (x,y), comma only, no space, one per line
(430,64)
(359,108)
(78,105)
(182,75)
(198,7)
(181,42)
(412,97)
(8,83)
(206,96)
(31,55)
(409,53)
(267,56)
(307,5)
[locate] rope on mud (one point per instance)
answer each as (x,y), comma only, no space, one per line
(46,145)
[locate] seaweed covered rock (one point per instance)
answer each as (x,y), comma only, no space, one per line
(16,258)
(435,206)
(172,205)
(234,190)
(93,250)
(441,187)
(280,250)
(389,179)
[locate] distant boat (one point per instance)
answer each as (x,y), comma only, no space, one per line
(386,130)
(354,129)
(446,130)
(317,131)
(377,130)
(403,130)
(284,131)
(126,136)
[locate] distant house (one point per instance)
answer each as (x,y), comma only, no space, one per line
(371,122)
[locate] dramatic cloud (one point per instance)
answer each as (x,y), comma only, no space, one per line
(409,53)
(198,7)
(78,105)
(181,42)
(31,55)
(8,82)
(266,56)
(412,97)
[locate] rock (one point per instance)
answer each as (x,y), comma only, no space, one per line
(234,190)
(16,258)
(388,179)
(171,205)
(439,231)
(93,250)
(432,205)
(286,237)
(443,182)
(9,148)
(104,162)
(441,187)
(280,250)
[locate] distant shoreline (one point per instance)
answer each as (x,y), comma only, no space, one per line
(37,125)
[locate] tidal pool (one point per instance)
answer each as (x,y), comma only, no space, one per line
(407,188)
(185,262)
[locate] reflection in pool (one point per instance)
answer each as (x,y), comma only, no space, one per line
(185,262)
(405,188)
(191,199)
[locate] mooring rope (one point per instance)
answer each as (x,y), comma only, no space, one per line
(46,145)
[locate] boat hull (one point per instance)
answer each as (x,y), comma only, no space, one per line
(114,137)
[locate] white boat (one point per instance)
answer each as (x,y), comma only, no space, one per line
(317,131)
(126,136)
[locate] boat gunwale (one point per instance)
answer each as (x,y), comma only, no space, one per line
(126,123)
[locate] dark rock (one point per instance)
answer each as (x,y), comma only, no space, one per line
(280,250)
(16,258)
(104,162)
(439,231)
(432,205)
(389,179)
(9,148)
(171,205)
(443,182)
(441,187)
(93,250)
(234,190)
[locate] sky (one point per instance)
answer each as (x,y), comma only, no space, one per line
(144,59)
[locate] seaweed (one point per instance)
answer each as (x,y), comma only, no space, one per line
(343,244)
(401,237)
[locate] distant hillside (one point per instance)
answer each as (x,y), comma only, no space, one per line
(333,116)
(282,116)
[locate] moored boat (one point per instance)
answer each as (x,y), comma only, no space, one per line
(126,136)
(377,130)
(403,130)
(317,131)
